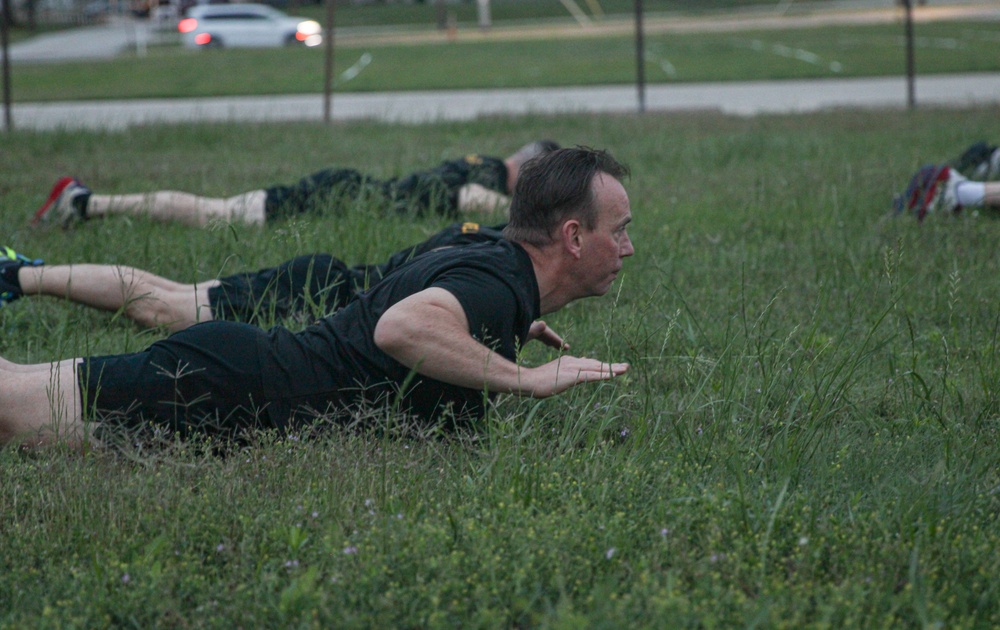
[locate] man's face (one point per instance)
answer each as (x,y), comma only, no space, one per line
(608,243)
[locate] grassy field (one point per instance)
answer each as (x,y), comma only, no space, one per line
(170,71)
(808,435)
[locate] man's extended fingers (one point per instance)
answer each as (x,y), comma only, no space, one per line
(604,371)
(619,368)
(551,339)
(541,331)
(594,370)
(565,372)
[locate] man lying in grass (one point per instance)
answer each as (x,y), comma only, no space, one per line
(312,285)
(440,335)
(474,183)
(971,181)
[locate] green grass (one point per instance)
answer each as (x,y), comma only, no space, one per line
(819,52)
(808,435)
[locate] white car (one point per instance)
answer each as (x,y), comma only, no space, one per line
(247,26)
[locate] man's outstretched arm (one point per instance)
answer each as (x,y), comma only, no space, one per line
(429,332)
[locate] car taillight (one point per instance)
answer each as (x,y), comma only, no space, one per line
(187,25)
(202,38)
(308,27)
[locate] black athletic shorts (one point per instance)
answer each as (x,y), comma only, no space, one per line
(314,285)
(319,192)
(217,379)
(204,379)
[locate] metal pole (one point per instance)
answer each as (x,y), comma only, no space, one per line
(8,123)
(483,14)
(911,98)
(328,67)
(640,74)
(442,14)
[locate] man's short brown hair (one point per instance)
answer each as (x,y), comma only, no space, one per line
(554,187)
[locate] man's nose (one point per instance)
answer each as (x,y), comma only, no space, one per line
(626,248)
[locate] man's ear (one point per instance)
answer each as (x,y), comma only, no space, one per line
(571,233)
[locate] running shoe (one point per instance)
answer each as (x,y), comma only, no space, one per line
(932,189)
(65,204)
(10,262)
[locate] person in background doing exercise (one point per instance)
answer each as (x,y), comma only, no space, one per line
(947,189)
(311,285)
(472,184)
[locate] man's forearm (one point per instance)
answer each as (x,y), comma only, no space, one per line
(428,332)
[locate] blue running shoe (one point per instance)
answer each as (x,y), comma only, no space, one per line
(10,262)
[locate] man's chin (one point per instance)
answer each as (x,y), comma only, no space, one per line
(601,290)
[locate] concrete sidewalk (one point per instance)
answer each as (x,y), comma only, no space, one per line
(740,98)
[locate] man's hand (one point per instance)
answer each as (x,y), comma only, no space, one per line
(540,331)
(477,199)
(557,376)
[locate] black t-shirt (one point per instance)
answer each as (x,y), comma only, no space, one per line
(455,235)
(319,283)
(336,362)
(438,187)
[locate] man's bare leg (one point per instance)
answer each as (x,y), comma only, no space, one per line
(991,194)
(170,205)
(40,404)
(143,297)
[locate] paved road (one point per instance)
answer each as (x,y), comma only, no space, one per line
(742,98)
(99,41)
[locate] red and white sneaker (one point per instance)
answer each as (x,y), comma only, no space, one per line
(932,189)
(61,206)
